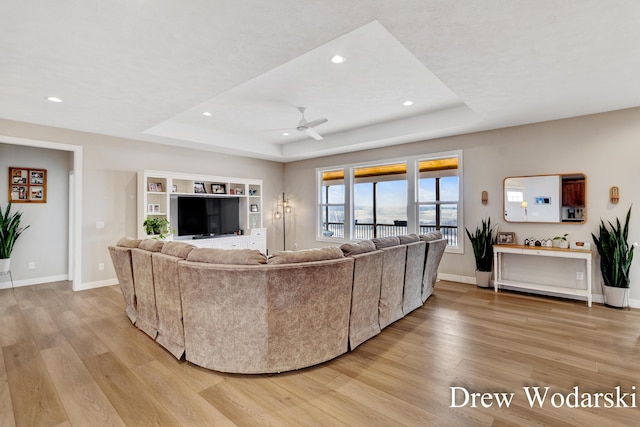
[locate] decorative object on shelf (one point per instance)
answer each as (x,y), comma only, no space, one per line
(585,246)
(506,238)
(561,241)
(218,188)
(253,192)
(485,197)
(614,195)
(239,191)
(547,243)
(282,209)
(27,185)
(174,188)
(482,242)
(616,255)
(156,226)
(232,191)
(198,187)
(10,230)
(253,208)
(155,187)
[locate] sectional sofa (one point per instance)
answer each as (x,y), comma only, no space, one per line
(238,311)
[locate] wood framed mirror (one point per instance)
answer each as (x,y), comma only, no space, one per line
(558,198)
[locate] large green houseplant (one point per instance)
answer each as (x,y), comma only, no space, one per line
(616,255)
(10,230)
(482,241)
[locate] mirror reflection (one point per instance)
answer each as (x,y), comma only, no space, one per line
(545,198)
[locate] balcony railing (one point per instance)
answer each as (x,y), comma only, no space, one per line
(362,231)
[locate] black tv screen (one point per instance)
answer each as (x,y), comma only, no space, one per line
(208,215)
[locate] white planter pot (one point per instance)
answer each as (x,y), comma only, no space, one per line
(615,297)
(5,265)
(483,279)
(563,244)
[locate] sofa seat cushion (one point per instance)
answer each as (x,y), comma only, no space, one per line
(227,256)
(306,255)
(350,249)
(151,245)
(128,242)
(177,249)
(386,242)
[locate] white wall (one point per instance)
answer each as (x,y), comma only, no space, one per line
(604,147)
(109,186)
(48,225)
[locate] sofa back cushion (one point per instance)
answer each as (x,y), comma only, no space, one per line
(177,249)
(386,242)
(227,256)
(409,238)
(128,242)
(306,255)
(350,249)
(434,235)
(151,245)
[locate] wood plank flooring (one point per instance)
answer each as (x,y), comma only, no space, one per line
(73,358)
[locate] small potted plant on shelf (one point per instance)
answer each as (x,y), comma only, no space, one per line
(482,242)
(561,241)
(616,255)
(10,230)
(156,226)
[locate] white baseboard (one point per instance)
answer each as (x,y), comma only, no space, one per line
(456,278)
(6,283)
(97,284)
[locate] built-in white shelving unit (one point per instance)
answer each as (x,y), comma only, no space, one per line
(157,188)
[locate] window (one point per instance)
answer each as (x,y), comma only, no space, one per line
(415,195)
(332,204)
(438,196)
(380,201)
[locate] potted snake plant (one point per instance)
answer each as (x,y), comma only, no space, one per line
(482,241)
(616,255)
(10,230)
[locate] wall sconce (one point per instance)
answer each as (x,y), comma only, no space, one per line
(282,209)
(485,197)
(614,195)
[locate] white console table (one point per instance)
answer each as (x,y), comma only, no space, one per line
(500,250)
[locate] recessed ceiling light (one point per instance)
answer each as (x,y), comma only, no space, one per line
(286,133)
(54,99)
(206,113)
(338,59)
(407,103)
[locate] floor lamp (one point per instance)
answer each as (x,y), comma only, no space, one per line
(283,208)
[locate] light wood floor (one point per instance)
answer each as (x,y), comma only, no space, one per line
(73,358)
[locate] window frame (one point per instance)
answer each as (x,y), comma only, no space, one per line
(413,201)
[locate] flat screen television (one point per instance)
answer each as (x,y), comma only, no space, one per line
(207,216)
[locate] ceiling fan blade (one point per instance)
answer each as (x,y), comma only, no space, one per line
(317,122)
(277,129)
(313,134)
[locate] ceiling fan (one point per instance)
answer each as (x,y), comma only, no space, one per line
(307,127)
